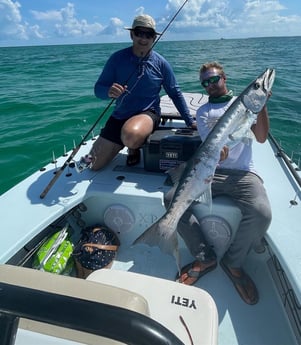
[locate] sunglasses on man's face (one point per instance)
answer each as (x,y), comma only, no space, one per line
(212,80)
(144,34)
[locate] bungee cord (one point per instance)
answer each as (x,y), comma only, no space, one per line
(85,137)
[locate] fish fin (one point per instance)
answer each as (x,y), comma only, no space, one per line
(253,105)
(176,172)
(243,132)
(169,196)
(206,198)
(165,239)
(236,138)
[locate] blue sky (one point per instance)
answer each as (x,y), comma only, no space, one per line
(35,22)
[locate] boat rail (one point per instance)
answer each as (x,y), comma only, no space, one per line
(287,161)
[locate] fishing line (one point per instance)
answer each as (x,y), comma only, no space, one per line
(168,25)
(76,149)
(157,40)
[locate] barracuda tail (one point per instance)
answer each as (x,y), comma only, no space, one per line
(165,238)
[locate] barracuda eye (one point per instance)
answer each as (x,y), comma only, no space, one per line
(256,85)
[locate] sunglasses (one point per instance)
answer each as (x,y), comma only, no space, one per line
(144,34)
(212,80)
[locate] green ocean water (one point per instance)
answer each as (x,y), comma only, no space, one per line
(47,102)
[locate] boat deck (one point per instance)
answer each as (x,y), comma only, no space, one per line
(125,190)
(129,200)
(265,323)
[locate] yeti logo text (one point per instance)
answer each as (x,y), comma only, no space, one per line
(183,301)
(173,155)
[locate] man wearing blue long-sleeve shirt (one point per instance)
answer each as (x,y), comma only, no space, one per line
(134,77)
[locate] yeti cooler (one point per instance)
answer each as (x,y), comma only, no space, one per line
(167,148)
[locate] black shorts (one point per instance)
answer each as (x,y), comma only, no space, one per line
(112,129)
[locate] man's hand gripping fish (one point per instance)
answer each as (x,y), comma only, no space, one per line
(194,177)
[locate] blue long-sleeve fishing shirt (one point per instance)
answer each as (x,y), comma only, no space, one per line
(144,78)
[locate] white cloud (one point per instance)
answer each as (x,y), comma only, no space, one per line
(10,19)
(139,11)
(263,18)
(10,10)
(47,16)
(115,27)
(198,19)
(34,31)
(57,22)
(199,14)
(222,18)
(12,26)
(69,25)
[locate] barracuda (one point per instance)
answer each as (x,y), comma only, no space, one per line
(194,177)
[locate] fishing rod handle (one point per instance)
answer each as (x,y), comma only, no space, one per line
(51,183)
(59,172)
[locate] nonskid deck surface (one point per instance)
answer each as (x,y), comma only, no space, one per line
(239,323)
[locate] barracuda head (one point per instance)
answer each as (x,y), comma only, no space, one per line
(268,79)
(257,93)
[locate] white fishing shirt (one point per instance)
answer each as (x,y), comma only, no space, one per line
(240,156)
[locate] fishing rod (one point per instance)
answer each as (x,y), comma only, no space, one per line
(168,25)
(76,149)
(73,153)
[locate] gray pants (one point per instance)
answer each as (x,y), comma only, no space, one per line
(247,192)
